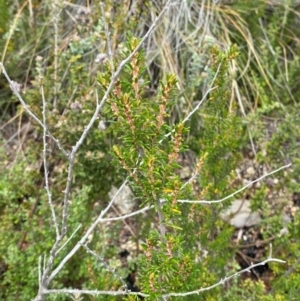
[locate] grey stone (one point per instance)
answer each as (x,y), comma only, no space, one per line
(125,199)
(239,214)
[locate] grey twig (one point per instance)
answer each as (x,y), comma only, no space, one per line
(71,236)
(29,112)
(93,292)
(173,294)
(107,267)
(46,165)
(237,191)
(224,280)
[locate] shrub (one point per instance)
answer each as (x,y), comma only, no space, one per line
(142,135)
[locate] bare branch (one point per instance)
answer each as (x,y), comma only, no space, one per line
(122,217)
(40,269)
(162,201)
(93,292)
(237,191)
(107,267)
(195,292)
(46,166)
(29,112)
(224,280)
(75,231)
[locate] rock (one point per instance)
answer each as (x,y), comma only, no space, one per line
(125,199)
(250,171)
(239,214)
(185,172)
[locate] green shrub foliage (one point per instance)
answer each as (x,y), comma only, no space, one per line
(142,134)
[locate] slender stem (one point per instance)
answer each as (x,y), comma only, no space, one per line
(46,173)
(29,112)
